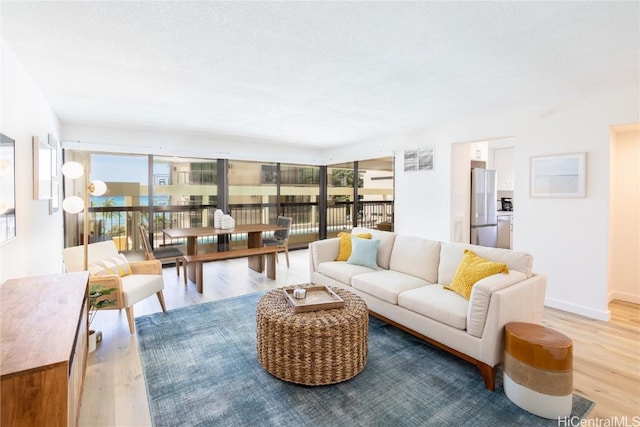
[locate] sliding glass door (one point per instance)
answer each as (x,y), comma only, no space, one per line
(177,192)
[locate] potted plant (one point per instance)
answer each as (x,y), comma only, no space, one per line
(97,300)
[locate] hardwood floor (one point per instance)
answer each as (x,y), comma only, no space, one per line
(606,355)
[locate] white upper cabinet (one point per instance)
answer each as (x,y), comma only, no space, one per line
(503,163)
(479,151)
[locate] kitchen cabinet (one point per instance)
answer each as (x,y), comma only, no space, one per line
(44,349)
(505,226)
(479,151)
(503,164)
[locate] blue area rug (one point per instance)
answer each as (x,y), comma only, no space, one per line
(201,369)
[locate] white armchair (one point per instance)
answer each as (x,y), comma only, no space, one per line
(145,281)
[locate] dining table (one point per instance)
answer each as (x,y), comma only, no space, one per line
(254,240)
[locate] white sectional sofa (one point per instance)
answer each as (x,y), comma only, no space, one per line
(406,290)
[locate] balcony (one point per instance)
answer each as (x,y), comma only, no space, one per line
(120,223)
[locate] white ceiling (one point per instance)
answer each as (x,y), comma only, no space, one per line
(316,73)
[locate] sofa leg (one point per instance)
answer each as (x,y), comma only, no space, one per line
(488,374)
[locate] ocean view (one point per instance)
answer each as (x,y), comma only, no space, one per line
(119,201)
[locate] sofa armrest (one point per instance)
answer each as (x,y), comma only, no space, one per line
(522,302)
(481,297)
(146,267)
(323,251)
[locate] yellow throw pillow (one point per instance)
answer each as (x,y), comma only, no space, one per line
(345,244)
(471,269)
(117,265)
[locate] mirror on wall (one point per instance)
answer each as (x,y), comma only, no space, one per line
(7,189)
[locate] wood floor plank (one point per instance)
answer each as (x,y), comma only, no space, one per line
(606,354)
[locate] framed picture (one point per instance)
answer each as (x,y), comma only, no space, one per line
(42,172)
(7,188)
(559,176)
(54,202)
(425,158)
(410,160)
(419,159)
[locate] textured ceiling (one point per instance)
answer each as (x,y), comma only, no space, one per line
(316,73)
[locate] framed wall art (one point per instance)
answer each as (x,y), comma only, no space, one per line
(559,176)
(419,159)
(54,201)
(7,188)
(42,169)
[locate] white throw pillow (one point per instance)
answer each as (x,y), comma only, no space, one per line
(117,265)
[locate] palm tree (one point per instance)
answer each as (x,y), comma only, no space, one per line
(114,230)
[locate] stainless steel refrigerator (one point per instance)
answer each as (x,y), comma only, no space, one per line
(484,202)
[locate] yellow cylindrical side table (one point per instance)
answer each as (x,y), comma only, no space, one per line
(538,369)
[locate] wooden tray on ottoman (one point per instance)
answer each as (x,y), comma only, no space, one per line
(317,298)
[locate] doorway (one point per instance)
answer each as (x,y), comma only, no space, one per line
(624,213)
(481,153)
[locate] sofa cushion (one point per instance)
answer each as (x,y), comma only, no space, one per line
(386,243)
(137,287)
(364,252)
(437,303)
(341,270)
(416,256)
(345,244)
(473,268)
(481,296)
(386,284)
(451,254)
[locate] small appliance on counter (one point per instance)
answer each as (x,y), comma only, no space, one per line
(507,204)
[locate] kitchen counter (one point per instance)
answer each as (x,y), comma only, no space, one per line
(503,213)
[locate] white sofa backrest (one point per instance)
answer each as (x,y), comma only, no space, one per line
(416,256)
(73,257)
(387,239)
(451,254)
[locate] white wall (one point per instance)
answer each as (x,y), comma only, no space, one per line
(37,248)
(460,192)
(568,237)
(624,222)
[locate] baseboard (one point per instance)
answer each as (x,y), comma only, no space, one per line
(623,296)
(578,309)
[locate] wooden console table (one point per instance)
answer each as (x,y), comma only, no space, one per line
(44,349)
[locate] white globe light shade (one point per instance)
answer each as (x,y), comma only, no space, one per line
(72,170)
(73,204)
(98,188)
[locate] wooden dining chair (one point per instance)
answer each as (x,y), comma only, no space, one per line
(164,255)
(281,237)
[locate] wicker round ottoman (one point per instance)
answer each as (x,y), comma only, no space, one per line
(538,371)
(313,348)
